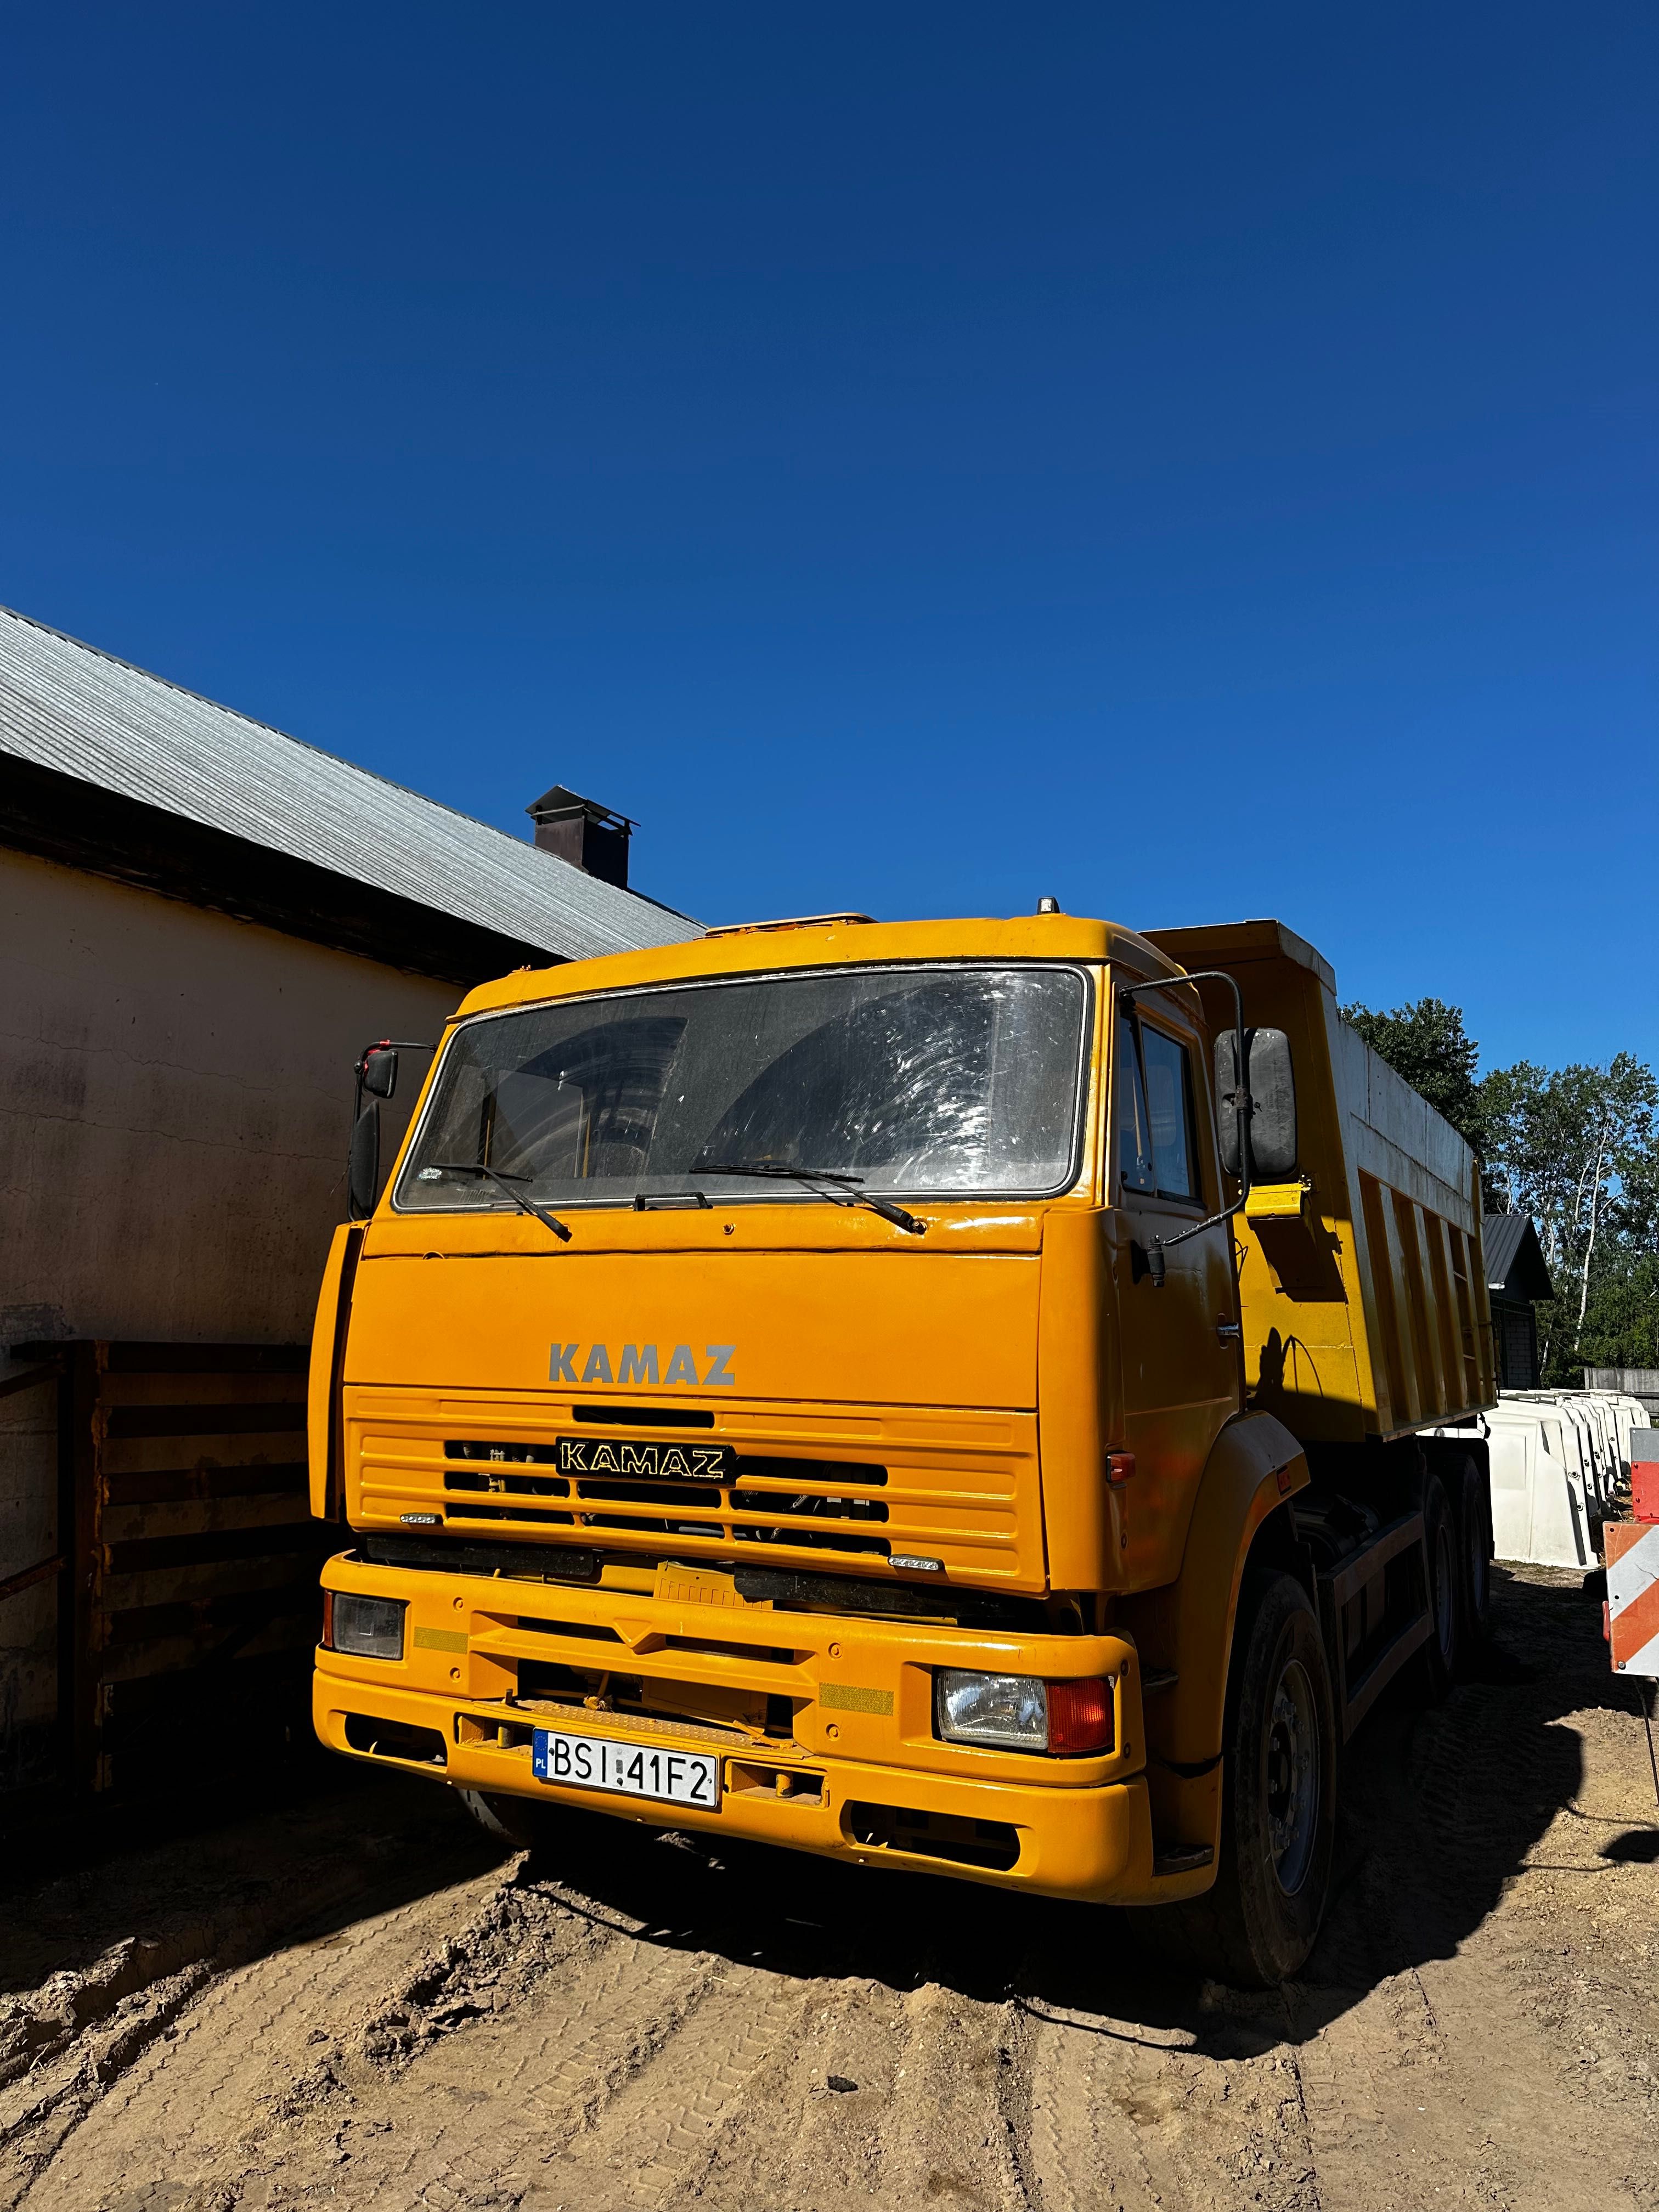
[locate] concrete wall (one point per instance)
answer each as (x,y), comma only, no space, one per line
(175,1105)
(175,1101)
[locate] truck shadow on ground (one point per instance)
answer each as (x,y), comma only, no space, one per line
(140,1888)
(1440,1810)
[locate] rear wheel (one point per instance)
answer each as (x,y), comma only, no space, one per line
(1445,1568)
(1278,1800)
(1474,1525)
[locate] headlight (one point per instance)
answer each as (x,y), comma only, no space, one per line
(1019,1712)
(1011,1710)
(369,1627)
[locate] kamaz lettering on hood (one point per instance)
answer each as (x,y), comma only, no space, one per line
(642,1363)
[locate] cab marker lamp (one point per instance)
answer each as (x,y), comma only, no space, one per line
(367,1627)
(1020,1712)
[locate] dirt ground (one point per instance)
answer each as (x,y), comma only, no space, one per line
(354,2001)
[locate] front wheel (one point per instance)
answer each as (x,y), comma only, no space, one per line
(518,1821)
(1258,1924)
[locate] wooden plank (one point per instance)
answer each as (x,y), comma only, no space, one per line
(276,1417)
(211,1578)
(168,1486)
(211,1547)
(12,1383)
(207,1695)
(78,1603)
(186,1552)
(207,1359)
(174,1389)
(215,1615)
(124,1524)
(30,1576)
(290,1636)
(129,1456)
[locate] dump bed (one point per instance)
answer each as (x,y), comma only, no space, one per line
(1363,1287)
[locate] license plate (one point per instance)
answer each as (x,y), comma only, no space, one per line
(655,1461)
(626,1770)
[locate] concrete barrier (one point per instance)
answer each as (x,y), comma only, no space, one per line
(1545,1483)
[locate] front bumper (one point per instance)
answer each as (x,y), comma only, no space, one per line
(859,1774)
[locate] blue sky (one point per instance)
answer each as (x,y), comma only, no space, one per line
(1196,461)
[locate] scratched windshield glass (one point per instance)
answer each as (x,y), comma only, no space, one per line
(923,1081)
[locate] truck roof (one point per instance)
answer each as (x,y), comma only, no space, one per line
(763,947)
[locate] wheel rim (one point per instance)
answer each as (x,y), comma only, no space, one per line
(1293,1792)
(1445,1589)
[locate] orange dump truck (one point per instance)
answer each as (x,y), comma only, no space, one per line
(894,1392)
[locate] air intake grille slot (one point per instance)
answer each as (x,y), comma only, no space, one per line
(519,1485)
(521,1454)
(852,1472)
(646,1417)
(517,1513)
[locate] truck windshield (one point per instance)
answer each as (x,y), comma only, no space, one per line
(924,1080)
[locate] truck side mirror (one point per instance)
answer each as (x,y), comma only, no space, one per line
(1273,1104)
(363,1167)
(379,1074)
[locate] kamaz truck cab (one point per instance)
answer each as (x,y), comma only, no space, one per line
(824,1383)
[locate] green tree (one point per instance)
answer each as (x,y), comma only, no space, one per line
(1621,1327)
(1576,1148)
(1427,1043)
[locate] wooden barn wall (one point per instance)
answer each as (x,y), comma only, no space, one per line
(173,1605)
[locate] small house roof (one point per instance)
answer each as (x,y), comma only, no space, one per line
(1516,1266)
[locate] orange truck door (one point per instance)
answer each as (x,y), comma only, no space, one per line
(1180,1361)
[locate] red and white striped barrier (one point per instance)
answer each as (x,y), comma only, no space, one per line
(1632,1554)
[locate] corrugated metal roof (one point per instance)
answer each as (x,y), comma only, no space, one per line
(69,707)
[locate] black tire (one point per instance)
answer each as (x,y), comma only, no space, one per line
(515,1820)
(1475,1526)
(1256,1927)
(1443,1567)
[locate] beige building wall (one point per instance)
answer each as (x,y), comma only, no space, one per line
(175,1106)
(175,1102)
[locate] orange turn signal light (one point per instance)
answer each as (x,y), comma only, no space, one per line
(1080,1715)
(1120,1466)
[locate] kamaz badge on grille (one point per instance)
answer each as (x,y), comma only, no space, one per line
(664,1461)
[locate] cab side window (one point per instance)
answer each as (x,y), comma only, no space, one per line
(1135,1167)
(1168,1076)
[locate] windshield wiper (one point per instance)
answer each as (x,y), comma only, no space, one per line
(525,1205)
(846,1192)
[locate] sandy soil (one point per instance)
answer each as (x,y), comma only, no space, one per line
(355,2002)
